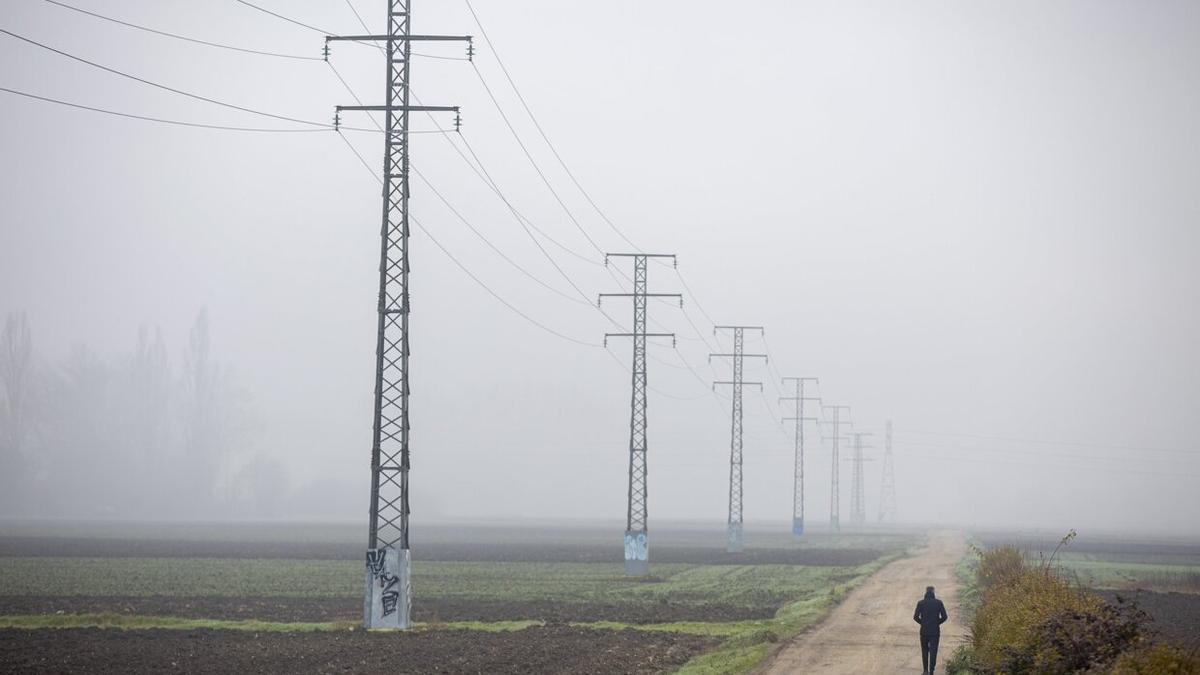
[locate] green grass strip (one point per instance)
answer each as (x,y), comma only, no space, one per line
(134,622)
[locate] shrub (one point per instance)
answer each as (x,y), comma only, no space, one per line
(1072,640)
(1015,613)
(1000,566)
(1157,660)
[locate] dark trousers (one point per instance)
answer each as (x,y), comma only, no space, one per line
(929,645)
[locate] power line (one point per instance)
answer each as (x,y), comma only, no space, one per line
(532,162)
(660,392)
(484,175)
(280,16)
(163,86)
(492,246)
(496,295)
(464,268)
(183,37)
(538,126)
(161,120)
(583,297)
(380,47)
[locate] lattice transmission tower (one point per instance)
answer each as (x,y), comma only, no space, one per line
(734,541)
(858,500)
(835,519)
(388,597)
(798,469)
(887,495)
(637,545)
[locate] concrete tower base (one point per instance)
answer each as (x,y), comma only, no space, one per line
(733,544)
(388,601)
(637,553)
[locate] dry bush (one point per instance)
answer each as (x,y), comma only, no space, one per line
(1157,660)
(1014,610)
(1072,641)
(999,566)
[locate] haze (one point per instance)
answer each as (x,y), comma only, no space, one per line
(978,220)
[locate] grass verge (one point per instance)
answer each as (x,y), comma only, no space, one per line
(115,621)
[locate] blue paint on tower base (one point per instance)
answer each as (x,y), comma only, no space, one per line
(637,553)
(733,543)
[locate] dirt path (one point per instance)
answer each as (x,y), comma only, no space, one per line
(872,631)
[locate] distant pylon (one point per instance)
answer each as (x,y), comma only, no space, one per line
(734,542)
(858,502)
(835,522)
(798,468)
(887,497)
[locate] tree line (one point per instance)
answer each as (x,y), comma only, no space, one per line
(133,435)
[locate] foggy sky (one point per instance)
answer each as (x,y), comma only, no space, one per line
(969,218)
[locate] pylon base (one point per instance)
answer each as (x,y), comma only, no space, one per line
(387,604)
(734,543)
(798,526)
(637,553)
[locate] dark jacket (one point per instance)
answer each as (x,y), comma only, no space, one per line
(931,614)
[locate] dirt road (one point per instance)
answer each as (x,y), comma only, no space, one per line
(872,631)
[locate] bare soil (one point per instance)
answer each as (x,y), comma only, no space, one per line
(294,609)
(1176,616)
(559,649)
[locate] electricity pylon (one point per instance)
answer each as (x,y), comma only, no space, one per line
(798,469)
(637,547)
(734,543)
(858,502)
(887,495)
(388,598)
(835,523)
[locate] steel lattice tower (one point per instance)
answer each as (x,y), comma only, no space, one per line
(637,547)
(388,598)
(887,496)
(734,543)
(798,469)
(858,502)
(834,498)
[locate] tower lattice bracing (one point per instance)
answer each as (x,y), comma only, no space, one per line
(735,542)
(887,495)
(637,546)
(388,597)
(835,521)
(858,507)
(798,467)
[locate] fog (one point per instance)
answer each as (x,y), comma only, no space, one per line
(978,220)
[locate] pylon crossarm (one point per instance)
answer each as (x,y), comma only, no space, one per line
(399,38)
(403,108)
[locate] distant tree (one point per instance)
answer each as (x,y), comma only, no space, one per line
(81,466)
(216,417)
(201,414)
(147,428)
(16,386)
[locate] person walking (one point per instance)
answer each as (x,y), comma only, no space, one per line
(931,614)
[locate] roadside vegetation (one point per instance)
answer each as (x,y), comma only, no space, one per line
(1035,617)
